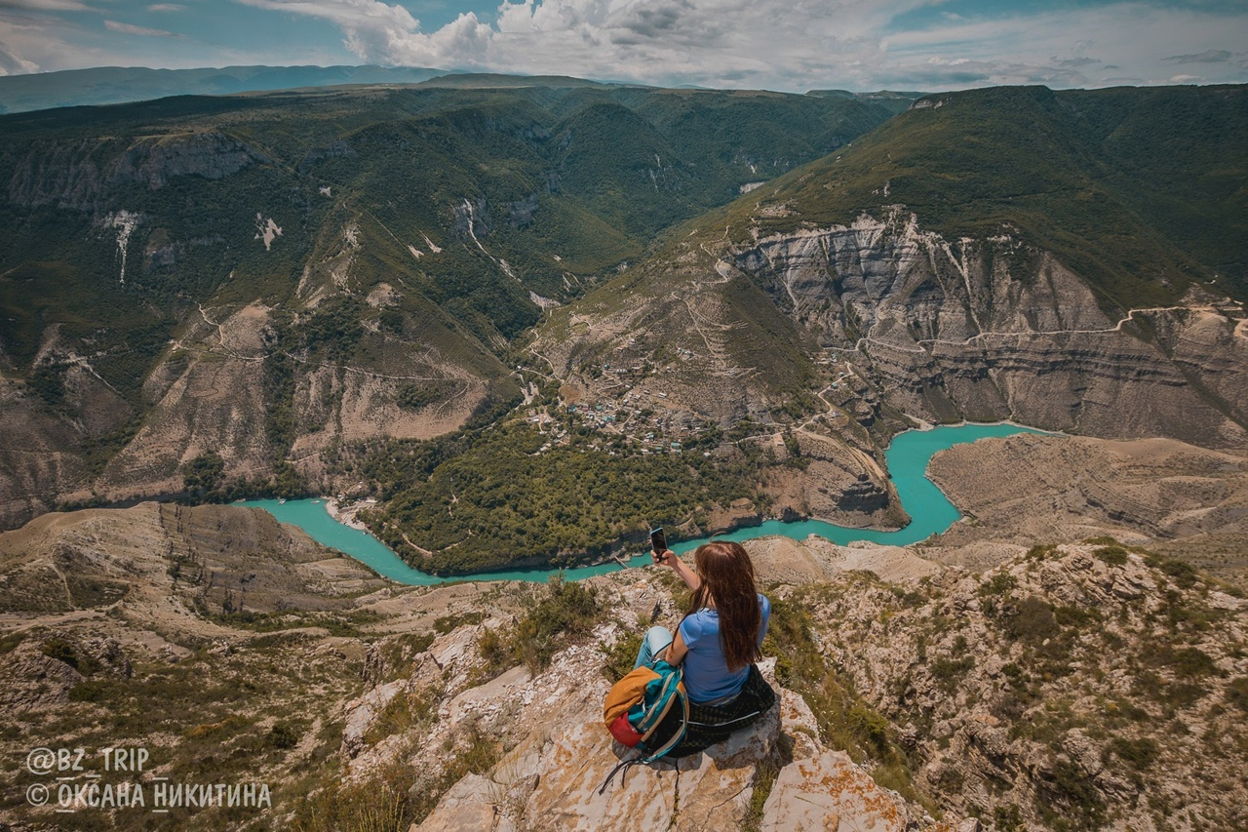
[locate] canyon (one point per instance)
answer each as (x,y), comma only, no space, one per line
(517,324)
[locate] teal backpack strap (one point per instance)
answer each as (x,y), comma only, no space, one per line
(660,695)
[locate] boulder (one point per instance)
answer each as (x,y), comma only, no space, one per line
(828,792)
(34,681)
(551,780)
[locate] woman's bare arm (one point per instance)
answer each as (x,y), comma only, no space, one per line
(676,650)
(678,566)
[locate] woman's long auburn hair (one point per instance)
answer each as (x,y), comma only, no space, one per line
(728,581)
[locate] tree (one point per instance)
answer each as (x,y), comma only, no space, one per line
(203,474)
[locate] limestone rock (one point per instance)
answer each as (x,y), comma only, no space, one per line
(34,681)
(469,806)
(551,781)
(828,792)
(361,712)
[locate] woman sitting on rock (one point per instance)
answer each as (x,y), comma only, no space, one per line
(721,635)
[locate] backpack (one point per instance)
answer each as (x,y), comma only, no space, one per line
(648,710)
(645,710)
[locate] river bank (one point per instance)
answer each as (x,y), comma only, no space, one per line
(907,458)
(346,513)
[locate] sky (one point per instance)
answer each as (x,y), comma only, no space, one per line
(793,46)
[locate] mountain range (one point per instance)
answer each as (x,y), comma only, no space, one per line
(117,85)
(340,290)
(513,322)
(156,252)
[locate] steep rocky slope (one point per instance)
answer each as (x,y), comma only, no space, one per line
(1076,687)
(1082,686)
(927,271)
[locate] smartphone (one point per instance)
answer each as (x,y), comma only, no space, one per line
(658,542)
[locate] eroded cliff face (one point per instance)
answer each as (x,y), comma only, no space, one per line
(213,391)
(75,174)
(844,282)
(885,319)
(990,329)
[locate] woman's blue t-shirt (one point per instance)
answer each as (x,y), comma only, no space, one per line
(707,677)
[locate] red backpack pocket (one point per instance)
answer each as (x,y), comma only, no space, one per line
(624,732)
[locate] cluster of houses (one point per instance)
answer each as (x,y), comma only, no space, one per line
(631,419)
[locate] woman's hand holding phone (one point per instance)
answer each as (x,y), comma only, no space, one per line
(664,558)
(658,546)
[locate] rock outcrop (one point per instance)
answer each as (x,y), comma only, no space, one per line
(156,560)
(552,777)
(552,781)
(1033,489)
(1087,683)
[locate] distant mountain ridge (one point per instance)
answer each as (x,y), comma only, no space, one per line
(117,85)
(120,85)
(895,100)
(1140,190)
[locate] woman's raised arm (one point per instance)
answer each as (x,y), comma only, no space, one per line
(686,574)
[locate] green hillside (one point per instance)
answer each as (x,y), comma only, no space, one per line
(563,183)
(368,252)
(1140,191)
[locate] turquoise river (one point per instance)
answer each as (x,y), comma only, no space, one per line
(907,458)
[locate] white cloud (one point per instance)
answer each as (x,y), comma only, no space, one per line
(786,45)
(13,64)
(143,31)
(34,42)
(27,43)
(794,45)
(372,30)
